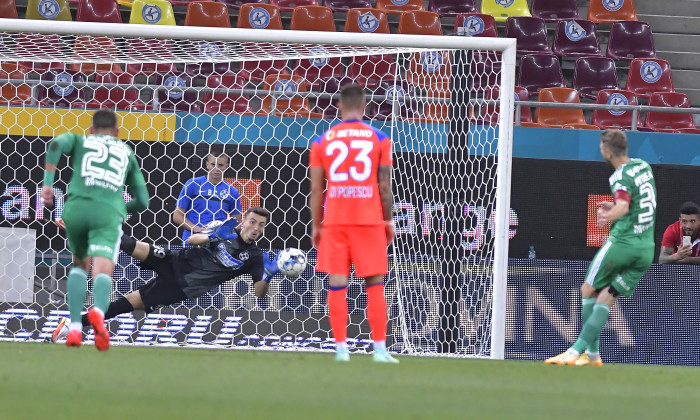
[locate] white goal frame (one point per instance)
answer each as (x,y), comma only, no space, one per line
(409,43)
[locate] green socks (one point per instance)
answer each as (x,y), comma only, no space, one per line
(77,290)
(101,290)
(592,328)
(586,311)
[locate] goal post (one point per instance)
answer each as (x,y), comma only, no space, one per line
(264,96)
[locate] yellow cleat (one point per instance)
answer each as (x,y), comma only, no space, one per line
(565,358)
(584,360)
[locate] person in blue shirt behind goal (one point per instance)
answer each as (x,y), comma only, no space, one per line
(207,198)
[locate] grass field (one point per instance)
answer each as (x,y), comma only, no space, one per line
(46,381)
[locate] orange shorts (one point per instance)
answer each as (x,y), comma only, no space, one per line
(363,246)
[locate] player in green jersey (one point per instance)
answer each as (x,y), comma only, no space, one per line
(627,254)
(94,212)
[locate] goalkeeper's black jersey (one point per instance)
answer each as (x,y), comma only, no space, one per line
(202,268)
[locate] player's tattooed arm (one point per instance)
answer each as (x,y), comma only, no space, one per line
(385,193)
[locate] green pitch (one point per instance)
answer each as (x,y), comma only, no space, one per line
(47,381)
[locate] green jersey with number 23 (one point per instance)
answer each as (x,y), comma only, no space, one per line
(637,226)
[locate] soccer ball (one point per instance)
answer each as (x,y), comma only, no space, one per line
(291,262)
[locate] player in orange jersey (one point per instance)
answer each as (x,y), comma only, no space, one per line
(350,170)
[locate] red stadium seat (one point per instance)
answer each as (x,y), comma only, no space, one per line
(576,38)
(369,70)
(557,117)
(399,6)
(591,74)
(531,33)
(14,94)
(452,7)
(288,104)
(649,75)
(117,97)
(98,11)
(490,113)
(226,103)
(88,47)
(630,39)
(207,13)
(539,71)
(665,121)
(290,5)
(607,11)
(429,69)
(555,10)
(8,9)
(605,118)
(475,24)
(316,18)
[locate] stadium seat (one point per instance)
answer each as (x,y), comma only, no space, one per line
(592,74)
(582,126)
(62,96)
(288,104)
(607,118)
(327,105)
(647,76)
(446,8)
(289,5)
(369,70)
(98,11)
(555,10)
(48,10)
(95,47)
(630,39)
(501,10)
(489,113)
(483,73)
(475,24)
(557,117)
(152,12)
(8,9)
(14,94)
(608,11)
(531,33)
(260,16)
(666,121)
(212,14)
(236,4)
(576,38)
(207,13)
(539,71)
(226,103)
(382,109)
(399,6)
(126,99)
(176,99)
(345,5)
(315,18)
(420,23)
(41,46)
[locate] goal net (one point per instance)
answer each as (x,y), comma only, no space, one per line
(263,96)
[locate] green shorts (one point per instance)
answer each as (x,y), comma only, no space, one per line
(94,229)
(620,266)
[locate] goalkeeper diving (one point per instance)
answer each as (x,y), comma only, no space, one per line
(228,251)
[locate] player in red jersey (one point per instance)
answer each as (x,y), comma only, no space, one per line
(350,169)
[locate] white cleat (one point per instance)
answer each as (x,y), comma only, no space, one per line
(61,331)
(383,356)
(342,355)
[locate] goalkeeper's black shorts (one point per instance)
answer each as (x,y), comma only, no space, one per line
(164,289)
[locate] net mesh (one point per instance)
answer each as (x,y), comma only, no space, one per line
(264,103)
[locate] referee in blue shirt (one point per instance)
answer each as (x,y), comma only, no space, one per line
(207,198)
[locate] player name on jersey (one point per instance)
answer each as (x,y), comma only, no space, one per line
(353,191)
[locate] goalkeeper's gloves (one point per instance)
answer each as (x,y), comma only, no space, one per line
(271,267)
(225,231)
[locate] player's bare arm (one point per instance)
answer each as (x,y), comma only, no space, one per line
(387,198)
(318,181)
(621,208)
(180,220)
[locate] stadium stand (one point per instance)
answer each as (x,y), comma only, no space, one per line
(172,98)
(370,70)
(668,122)
(555,10)
(501,12)
(620,119)
(576,38)
(531,33)
(63,96)
(226,103)
(287,104)
(601,11)
(490,112)
(553,117)
(592,74)
(475,24)
(446,8)
(630,39)
(395,6)
(538,71)
(14,94)
(647,76)
(119,98)
(260,16)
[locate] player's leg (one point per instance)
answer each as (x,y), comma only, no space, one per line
(599,276)
(369,255)
(588,297)
(137,249)
(76,231)
(334,259)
